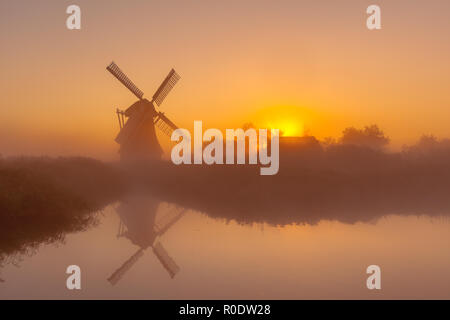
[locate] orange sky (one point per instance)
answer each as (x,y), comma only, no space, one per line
(305,65)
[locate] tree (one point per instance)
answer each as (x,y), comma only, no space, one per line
(371,136)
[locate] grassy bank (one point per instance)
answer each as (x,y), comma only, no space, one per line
(41,199)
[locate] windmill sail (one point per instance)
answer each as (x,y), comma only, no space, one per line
(119,273)
(164,124)
(166,260)
(165,87)
(116,72)
(163,224)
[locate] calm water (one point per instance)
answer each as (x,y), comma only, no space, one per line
(217,259)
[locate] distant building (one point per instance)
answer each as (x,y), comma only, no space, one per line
(306,143)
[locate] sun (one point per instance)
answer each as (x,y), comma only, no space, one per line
(290,120)
(288,128)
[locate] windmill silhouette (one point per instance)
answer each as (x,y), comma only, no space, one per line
(137,136)
(139,224)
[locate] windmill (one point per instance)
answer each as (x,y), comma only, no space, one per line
(139,224)
(137,136)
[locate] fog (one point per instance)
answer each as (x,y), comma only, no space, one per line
(42,199)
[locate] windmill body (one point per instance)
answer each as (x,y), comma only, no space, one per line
(137,136)
(138,217)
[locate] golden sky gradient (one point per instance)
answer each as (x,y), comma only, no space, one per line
(306,66)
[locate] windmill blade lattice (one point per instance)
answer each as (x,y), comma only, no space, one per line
(119,273)
(164,223)
(164,124)
(165,87)
(168,263)
(116,72)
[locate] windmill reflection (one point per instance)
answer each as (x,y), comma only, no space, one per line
(140,223)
